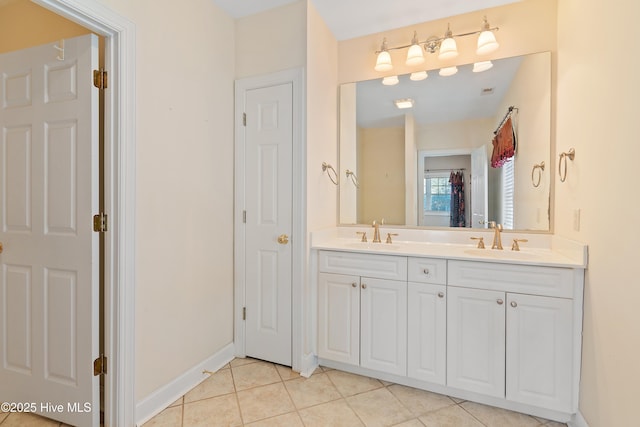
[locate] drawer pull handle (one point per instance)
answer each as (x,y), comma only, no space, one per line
(426,271)
(499,301)
(353,285)
(514,304)
(440,294)
(364,286)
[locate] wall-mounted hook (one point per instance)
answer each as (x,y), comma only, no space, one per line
(326,167)
(540,168)
(571,154)
(354,178)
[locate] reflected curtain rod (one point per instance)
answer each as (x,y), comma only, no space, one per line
(446,170)
(506,116)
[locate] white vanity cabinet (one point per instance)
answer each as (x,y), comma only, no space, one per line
(427,317)
(362,318)
(507,337)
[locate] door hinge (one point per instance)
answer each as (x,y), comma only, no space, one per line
(100,222)
(100,365)
(100,78)
(244,119)
(244,216)
(244,313)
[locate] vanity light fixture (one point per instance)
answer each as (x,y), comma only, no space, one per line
(404,103)
(390,80)
(445,46)
(448,71)
(481,66)
(418,75)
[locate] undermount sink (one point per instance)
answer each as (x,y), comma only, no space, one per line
(370,246)
(502,254)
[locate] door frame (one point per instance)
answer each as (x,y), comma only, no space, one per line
(298,235)
(119,175)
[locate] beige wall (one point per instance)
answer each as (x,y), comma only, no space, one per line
(24,24)
(270,41)
(598,110)
(184,173)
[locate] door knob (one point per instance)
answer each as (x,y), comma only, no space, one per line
(1,247)
(283,239)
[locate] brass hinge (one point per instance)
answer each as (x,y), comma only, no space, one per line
(100,365)
(100,78)
(244,119)
(100,222)
(244,216)
(244,313)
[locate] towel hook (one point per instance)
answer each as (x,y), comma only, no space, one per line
(354,178)
(571,154)
(540,168)
(326,167)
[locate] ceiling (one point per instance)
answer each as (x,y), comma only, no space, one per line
(354,18)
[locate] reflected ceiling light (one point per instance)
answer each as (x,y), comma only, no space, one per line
(414,55)
(383,63)
(390,80)
(486,40)
(448,47)
(418,75)
(404,103)
(448,71)
(481,66)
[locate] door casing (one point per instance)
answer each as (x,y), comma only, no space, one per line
(298,232)
(119,203)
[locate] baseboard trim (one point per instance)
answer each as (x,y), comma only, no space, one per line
(309,364)
(157,401)
(578,421)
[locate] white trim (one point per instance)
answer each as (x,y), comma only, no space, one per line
(160,399)
(578,421)
(298,234)
(119,164)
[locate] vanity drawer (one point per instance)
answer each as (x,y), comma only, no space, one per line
(428,270)
(524,279)
(368,265)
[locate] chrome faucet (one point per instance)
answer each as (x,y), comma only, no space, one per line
(497,229)
(376,232)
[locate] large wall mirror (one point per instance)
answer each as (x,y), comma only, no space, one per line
(431,164)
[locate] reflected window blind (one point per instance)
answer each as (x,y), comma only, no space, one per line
(508,186)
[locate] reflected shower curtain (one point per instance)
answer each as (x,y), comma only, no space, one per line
(457,216)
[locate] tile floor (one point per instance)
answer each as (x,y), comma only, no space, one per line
(248,392)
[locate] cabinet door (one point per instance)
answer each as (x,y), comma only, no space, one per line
(339,318)
(427,332)
(383,325)
(476,340)
(539,351)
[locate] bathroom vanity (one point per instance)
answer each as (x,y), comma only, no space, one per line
(432,311)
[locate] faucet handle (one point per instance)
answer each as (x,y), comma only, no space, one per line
(364,235)
(515,246)
(389,237)
(480,241)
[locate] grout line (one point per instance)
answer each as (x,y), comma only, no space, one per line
(235,393)
(468,412)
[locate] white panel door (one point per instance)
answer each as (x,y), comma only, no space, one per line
(427,332)
(339,318)
(476,340)
(268,165)
(479,188)
(383,325)
(540,351)
(48,194)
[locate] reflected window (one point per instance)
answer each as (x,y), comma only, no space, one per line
(437,193)
(508,190)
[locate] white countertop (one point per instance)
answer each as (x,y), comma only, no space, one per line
(541,249)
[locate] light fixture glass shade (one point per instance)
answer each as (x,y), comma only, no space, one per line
(448,49)
(481,66)
(487,43)
(383,63)
(418,75)
(414,55)
(448,71)
(390,80)
(404,103)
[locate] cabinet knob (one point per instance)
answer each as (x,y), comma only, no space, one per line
(440,294)
(364,286)
(353,285)
(426,271)
(499,301)
(514,304)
